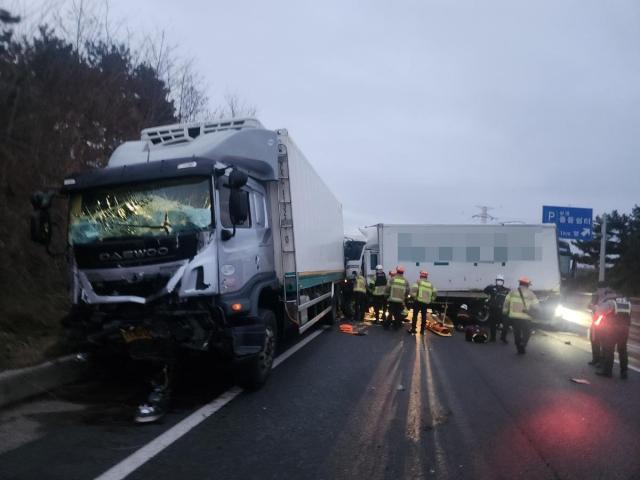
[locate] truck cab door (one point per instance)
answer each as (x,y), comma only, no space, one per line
(370,262)
(249,251)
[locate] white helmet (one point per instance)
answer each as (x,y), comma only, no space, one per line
(378,267)
(464,307)
(500,277)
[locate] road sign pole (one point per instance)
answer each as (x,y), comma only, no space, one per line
(603,248)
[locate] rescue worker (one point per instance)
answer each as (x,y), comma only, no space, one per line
(379,293)
(603,294)
(518,307)
(617,319)
(398,290)
(425,294)
(385,314)
(497,293)
(463,318)
(359,297)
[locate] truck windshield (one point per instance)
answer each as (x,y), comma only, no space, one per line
(149,209)
(353,249)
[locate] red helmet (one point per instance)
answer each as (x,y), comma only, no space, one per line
(524,280)
(400,269)
(423,274)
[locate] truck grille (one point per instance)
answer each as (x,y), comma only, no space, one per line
(143,288)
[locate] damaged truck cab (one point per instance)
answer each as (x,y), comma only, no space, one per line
(193,237)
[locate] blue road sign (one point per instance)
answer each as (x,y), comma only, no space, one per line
(572,223)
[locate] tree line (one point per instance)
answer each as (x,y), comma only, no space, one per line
(71,90)
(622,249)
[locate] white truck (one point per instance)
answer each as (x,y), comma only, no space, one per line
(213,236)
(464,259)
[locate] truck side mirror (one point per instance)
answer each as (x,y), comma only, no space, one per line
(41,227)
(237,179)
(238,201)
(41,200)
(238,206)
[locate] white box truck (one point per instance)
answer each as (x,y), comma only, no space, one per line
(463,259)
(213,237)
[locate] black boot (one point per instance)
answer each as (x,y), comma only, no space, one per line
(156,407)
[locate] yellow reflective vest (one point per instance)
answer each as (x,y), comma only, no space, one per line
(425,292)
(360,285)
(398,289)
(379,290)
(514,307)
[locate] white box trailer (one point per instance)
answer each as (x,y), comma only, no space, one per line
(463,259)
(311,219)
(309,252)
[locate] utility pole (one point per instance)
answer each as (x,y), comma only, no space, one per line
(603,248)
(484,214)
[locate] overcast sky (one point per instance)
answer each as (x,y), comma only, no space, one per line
(417,111)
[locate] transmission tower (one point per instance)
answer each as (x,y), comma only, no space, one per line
(484,214)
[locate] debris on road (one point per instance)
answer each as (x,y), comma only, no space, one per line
(400,388)
(567,342)
(582,381)
(348,329)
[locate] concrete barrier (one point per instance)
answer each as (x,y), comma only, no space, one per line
(19,384)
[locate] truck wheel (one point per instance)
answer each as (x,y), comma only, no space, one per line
(349,308)
(332,316)
(252,374)
(482,315)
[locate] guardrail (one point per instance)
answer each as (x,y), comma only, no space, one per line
(634,332)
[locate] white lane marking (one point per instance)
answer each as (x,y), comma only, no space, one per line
(585,348)
(144,454)
(151,449)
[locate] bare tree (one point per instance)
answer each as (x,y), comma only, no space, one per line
(86,22)
(234,107)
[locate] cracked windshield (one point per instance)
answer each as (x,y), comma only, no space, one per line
(146,210)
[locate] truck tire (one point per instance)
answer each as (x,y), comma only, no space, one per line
(482,314)
(252,374)
(332,317)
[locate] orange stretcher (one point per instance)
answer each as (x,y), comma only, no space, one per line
(440,326)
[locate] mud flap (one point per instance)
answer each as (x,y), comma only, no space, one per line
(248,340)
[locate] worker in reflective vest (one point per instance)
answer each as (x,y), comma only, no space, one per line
(518,307)
(392,275)
(379,293)
(617,320)
(497,293)
(359,297)
(398,291)
(425,294)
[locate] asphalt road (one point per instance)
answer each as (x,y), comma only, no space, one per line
(383,405)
